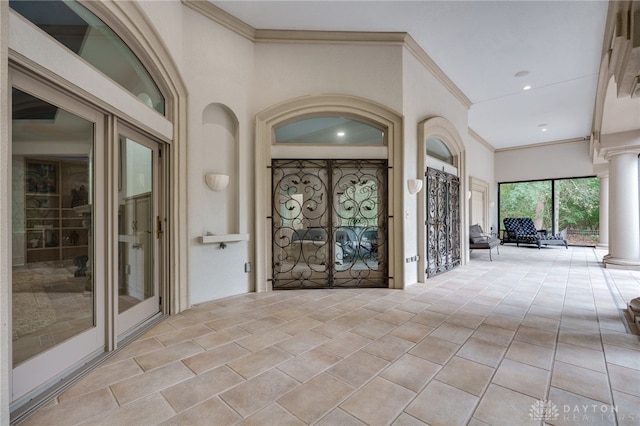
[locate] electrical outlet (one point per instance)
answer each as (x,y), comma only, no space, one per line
(247,267)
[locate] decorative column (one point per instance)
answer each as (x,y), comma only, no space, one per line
(603,241)
(624,209)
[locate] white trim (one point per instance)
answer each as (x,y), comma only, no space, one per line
(330,103)
(36,373)
(479,185)
(444,130)
(5,218)
(37,47)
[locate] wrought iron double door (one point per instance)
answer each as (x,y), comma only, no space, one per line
(329,223)
(442,222)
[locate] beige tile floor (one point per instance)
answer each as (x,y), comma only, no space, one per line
(490,343)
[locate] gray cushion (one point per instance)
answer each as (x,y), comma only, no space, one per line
(475,231)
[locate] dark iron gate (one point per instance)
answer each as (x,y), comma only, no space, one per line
(443,221)
(329,223)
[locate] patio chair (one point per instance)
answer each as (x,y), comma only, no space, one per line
(521,230)
(479,240)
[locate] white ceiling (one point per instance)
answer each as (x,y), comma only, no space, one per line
(480,45)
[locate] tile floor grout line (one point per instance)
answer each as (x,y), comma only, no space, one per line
(617,299)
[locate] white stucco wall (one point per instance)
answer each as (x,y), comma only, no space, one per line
(549,161)
(480,165)
(217,66)
(423,97)
(286,71)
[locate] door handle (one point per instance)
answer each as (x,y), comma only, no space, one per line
(158,227)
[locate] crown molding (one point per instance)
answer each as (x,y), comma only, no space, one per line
(335,37)
(537,145)
(422,56)
(223,18)
(482,141)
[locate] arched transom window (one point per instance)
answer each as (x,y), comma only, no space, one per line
(329,130)
(436,148)
(89,37)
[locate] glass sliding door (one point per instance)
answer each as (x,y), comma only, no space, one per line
(570,207)
(57,319)
(138,231)
(528,199)
(577,210)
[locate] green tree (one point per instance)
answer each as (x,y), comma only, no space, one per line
(579,203)
(527,199)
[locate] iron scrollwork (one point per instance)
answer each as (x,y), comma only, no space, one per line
(329,223)
(443,222)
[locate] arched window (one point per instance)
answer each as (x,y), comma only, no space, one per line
(438,149)
(89,37)
(330,130)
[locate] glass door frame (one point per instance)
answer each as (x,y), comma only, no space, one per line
(128,321)
(49,366)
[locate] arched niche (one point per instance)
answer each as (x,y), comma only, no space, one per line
(220,156)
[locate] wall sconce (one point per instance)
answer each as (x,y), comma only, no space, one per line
(216,181)
(414,185)
(468,195)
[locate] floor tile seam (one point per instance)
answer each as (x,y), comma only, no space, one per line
(395,419)
(573,392)
(555,345)
(611,389)
(387,380)
(191,340)
(228,405)
(357,388)
(348,395)
(217,394)
(434,378)
(585,368)
(481,396)
(289,412)
(110,412)
(256,374)
(610,282)
(138,397)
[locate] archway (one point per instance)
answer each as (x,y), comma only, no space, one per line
(442,130)
(267,150)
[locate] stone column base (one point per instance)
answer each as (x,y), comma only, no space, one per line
(618,263)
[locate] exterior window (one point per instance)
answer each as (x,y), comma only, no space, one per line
(437,149)
(330,131)
(570,207)
(86,35)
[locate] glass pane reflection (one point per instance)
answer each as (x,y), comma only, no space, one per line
(86,35)
(52,287)
(135,225)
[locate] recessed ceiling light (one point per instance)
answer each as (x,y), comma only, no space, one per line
(544,129)
(521,73)
(341,134)
(527,87)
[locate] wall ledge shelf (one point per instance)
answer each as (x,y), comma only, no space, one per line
(223,238)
